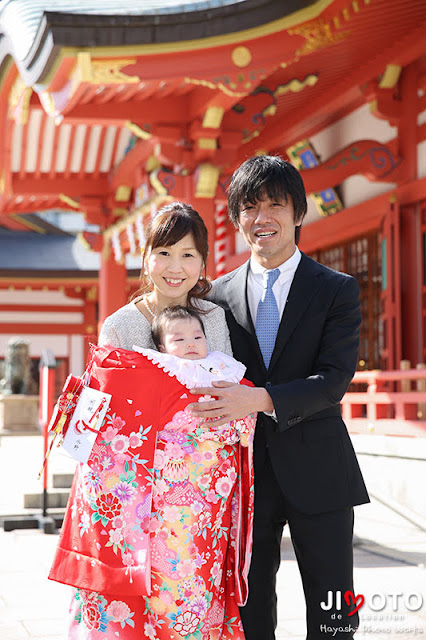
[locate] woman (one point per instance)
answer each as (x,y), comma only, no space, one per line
(157,535)
(173,273)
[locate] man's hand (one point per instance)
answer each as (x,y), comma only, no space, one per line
(233,401)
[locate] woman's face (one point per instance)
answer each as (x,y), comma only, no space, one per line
(174,271)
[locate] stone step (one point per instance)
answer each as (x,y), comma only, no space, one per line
(62,480)
(55,499)
(50,523)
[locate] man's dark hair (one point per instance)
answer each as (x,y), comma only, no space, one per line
(270,176)
(159,325)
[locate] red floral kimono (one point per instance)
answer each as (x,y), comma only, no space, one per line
(157,534)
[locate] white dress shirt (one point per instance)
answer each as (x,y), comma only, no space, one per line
(281,288)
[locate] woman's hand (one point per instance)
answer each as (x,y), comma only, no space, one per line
(233,401)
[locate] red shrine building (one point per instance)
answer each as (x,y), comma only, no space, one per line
(112,109)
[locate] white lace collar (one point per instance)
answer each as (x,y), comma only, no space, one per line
(197,373)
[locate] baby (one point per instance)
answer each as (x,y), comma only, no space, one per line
(179,331)
(178,334)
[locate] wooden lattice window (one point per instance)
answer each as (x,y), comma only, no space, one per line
(362,258)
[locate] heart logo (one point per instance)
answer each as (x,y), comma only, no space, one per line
(351,598)
(129,401)
(138,413)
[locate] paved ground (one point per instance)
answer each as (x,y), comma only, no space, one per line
(390,558)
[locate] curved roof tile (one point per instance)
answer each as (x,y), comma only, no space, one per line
(20,19)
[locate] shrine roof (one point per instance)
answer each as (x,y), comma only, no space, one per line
(24,21)
(104,106)
(50,254)
(53,253)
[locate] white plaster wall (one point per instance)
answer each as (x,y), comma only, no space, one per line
(359,125)
(312,214)
(421,159)
(76,354)
(41,317)
(38,298)
(357,189)
(62,346)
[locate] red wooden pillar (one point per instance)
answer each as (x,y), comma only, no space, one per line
(112,285)
(206,209)
(391,288)
(90,328)
(411,306)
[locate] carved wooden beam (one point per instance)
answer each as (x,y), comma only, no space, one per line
(370,158)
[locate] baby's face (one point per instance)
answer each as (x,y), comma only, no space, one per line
(185,339)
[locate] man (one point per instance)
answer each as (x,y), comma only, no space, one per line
(295,324)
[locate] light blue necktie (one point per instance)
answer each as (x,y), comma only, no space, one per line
(268,317)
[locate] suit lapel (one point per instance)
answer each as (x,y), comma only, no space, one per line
(301,292)
(237,300)
(238,304)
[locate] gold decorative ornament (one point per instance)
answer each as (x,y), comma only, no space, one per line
(104,71)
(159,188)
(219,85)
(207,181)
(213,117)
(241,56)
(250,137)
(123,193)
(318,35)
(152,163)
(138,132)
(390,76)
(19,101)
(270,110)
(295,85)
(91,294)
(69,201)
(207,143)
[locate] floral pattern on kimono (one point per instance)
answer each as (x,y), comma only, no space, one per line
(157,536)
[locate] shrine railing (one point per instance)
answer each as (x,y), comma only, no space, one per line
(387,402)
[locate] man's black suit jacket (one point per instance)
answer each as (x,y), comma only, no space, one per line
(313,362)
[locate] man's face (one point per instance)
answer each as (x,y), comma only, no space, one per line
(268,228)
